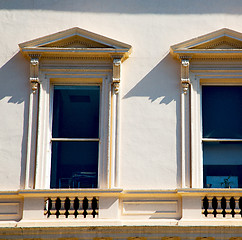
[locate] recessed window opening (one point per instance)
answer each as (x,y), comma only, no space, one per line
(75,137)
(222,136)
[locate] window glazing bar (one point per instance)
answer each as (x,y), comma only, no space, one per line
(75,139)
(221,140)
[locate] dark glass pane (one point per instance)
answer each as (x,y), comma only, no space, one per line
(74,165)
(221,111)
(76,112)
(222,164)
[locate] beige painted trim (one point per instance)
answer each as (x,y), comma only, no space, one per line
(44,148)
(120,193)
(93,45)
(207,46)
(72,32)
(222,77)
(78,80)
(221,81)
(210,192)
(159,207)
(185,140)
(218,62)
(62,58)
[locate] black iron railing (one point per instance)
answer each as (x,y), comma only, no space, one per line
(71,207)
(219,206)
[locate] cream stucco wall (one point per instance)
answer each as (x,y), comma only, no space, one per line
(150,90)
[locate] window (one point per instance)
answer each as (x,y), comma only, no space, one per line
(211,103)
(74,107)
(75,137)
(222,136)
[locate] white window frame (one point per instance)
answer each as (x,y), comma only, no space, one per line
(213,59)
(66,76)
(199,79)
(79,82)
(73,56)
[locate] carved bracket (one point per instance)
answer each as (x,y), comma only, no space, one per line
(116,74)
(34,74)
(185,81)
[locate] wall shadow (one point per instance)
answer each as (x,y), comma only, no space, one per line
(128,6)
(162,83)
(155,87)
(14,84)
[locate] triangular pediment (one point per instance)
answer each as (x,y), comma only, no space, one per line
(75,42)
(221,43)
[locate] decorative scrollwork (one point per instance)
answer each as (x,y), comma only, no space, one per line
(116,74)
(34,84)
(116,87)
(185,81)
(34,74)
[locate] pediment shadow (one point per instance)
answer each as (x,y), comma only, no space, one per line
(162,84)
(15,87)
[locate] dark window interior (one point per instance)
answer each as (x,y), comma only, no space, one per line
(222,118)
(74,163)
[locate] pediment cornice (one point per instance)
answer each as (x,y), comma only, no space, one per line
(224,43)
(75,42)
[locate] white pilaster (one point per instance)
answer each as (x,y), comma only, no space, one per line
(185,125)
(115,123)
(32,124)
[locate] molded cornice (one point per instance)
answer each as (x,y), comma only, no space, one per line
(75,42)
(224,43)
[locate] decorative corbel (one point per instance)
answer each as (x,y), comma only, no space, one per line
(34,74)
(116,74)
(185,81)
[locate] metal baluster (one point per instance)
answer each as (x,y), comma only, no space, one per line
(48,207)
(210,207)
(232,206)
(52,209)
(76,205)
(223,205)
(85,207)
(80,209)
(94,207)
(62,207)
(67,206)
(205,206)
(219,208)
(89,209)
(228,208)
(214,206)
(237,209)
(71,209)
(57,207)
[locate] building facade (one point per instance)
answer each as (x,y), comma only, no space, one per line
(121,120)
